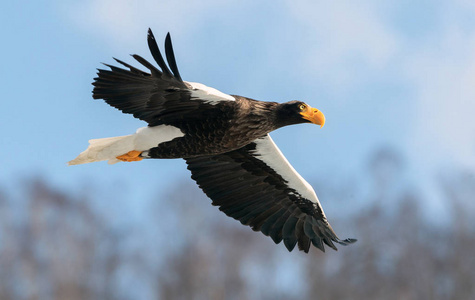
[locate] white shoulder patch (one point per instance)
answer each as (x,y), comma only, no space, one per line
(149,137)
(268,152)
(208,94)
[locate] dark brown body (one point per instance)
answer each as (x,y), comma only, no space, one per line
(227,126)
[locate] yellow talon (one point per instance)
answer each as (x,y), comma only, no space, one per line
(133,155)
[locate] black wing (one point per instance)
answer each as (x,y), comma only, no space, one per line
(158,97)
(257,186)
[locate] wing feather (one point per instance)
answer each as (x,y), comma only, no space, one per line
(155,72)
(171,56)
(257,186)
(158,96)
(157,56)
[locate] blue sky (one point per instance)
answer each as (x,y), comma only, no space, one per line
(398,74)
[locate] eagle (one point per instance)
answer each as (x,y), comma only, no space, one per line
(225,142)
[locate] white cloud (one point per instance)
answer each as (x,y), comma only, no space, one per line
(342,32)
(444,74)
(440,70)
(124,22)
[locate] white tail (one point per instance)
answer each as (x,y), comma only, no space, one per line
(105,149)
(109,148)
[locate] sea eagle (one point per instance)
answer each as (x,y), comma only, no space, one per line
(225,142)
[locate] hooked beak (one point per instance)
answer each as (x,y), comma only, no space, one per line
(314,115)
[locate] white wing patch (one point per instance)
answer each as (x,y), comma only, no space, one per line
(208,94)
(268,152)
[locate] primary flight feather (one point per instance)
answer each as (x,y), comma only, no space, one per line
(225,142)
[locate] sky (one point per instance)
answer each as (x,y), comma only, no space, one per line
(392,74)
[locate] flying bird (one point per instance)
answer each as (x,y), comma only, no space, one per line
(225,142)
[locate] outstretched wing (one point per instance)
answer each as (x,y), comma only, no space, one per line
(158,97)
(257,186)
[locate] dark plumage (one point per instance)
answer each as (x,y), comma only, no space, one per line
(224,140)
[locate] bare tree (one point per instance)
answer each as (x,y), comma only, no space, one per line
(58,245)
(51,246)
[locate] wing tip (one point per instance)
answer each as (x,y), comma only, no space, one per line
(170,54)
(157,56)
(347,241)
(150,33)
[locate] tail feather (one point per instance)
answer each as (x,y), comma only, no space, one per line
(105,149)
(142,140)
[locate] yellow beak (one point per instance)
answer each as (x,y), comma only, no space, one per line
(314,115)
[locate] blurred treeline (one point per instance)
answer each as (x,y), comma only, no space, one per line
(61,245)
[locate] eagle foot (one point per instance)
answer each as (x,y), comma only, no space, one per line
(133,155)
